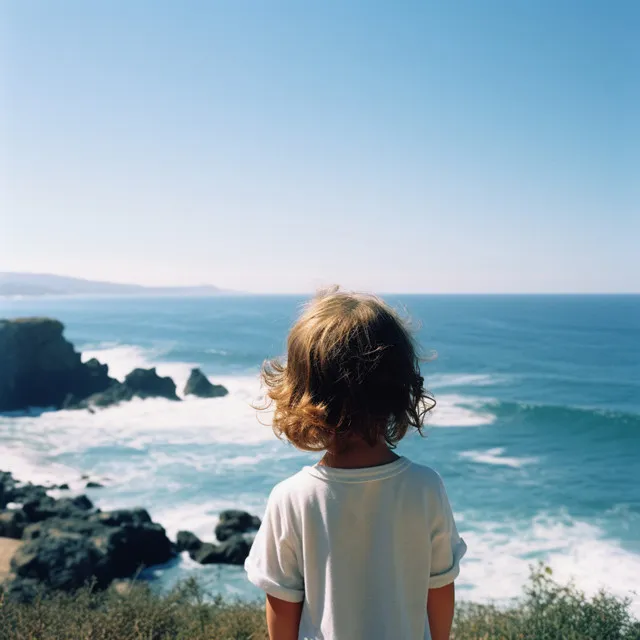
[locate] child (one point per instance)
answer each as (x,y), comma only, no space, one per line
(362,545)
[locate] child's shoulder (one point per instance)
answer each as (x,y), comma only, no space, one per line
(299,482)
(428,476)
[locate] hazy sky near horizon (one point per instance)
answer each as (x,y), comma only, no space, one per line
(410,146)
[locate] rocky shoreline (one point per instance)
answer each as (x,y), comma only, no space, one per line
(41,369)
(61,544)
(66,543)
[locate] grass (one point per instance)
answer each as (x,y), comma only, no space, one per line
(546,611)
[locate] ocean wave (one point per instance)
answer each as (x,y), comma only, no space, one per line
(447,380)
(495,457)
(27,465)
(454,410)
(549,414)
(501,555)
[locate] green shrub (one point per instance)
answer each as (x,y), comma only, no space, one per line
(546,611)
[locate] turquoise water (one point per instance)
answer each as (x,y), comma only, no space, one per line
(536,433)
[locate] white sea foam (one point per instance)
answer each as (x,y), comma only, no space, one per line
(500,556)
(496,457)
(454,410)
(27,466)
(446,380)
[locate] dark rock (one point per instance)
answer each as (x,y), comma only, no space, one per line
(65,553)
(94,485)
(121,517)
(7,489)
(130,547)
(233,551)
(12,523)
(113,395)
(146,383)
(27,492)
(206,553)
(46,507)
(233,522)
(64,487)
(140,383)
(80,502)
(37,509)
(67,543)
(187,541)
(66,561)
(199,385)
(53,526)
(40,368)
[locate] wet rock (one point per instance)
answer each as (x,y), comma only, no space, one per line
(132,546)
(121,517)
(140,383)
(187,541)
(232,551)
(43,508)
(66,553)
(146,383)
(199,385)
(54,526)
(66,561)
(40,368)
(233,522)
(12,524)
(67,543)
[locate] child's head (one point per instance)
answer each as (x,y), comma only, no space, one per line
(351,372)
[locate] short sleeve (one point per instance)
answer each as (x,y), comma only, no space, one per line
(273,564)
(447,547)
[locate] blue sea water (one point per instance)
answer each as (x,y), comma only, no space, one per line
(536,432)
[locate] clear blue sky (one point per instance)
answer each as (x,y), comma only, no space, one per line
(450,146)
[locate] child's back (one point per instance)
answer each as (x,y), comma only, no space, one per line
(351,547)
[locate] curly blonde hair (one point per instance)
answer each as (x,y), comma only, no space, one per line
(351,370)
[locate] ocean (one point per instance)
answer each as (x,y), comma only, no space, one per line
(536,432)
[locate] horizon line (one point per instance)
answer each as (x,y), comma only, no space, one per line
(222,291)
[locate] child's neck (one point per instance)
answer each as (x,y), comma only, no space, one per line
(359,455)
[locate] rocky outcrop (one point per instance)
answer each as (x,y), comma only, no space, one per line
(187,541)
(68,543)
(146,383)
(234,533)
(140,383)
(199,385)
(232,551)
(12,524)
(233,523)
(41,369)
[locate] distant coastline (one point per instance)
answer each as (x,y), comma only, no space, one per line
(40,284)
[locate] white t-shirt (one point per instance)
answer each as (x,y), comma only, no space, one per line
(360,547)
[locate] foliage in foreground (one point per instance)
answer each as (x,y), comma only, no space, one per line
(546,611)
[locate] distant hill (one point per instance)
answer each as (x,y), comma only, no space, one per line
(37,284)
